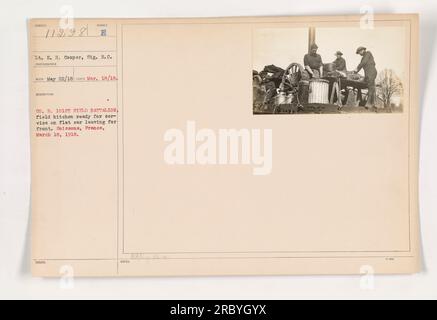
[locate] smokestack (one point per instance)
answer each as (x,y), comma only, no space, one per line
(311,37)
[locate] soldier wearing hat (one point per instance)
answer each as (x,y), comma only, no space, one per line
(368,65)
(313,64)
(339,63)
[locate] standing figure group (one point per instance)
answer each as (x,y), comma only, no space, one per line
(313,68)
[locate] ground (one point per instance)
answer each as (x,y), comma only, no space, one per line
(331,108)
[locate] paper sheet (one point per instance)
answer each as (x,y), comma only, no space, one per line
(160,147)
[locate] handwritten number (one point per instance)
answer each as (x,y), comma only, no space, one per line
(61,33)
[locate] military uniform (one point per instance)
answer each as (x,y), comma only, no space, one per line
(314,61)
(368,65)
(340,64)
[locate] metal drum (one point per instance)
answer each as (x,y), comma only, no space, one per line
(281,98)
(319,91)
(328,67)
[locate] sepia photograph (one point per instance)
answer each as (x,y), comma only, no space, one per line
(329,69)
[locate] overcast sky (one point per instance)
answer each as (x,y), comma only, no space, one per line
(282,46)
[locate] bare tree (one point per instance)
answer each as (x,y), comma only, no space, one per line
(388,85)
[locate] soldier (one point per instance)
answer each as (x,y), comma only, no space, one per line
(368,64)
(340,63)
(312,63)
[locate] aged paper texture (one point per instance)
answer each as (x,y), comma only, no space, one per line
(224,146)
